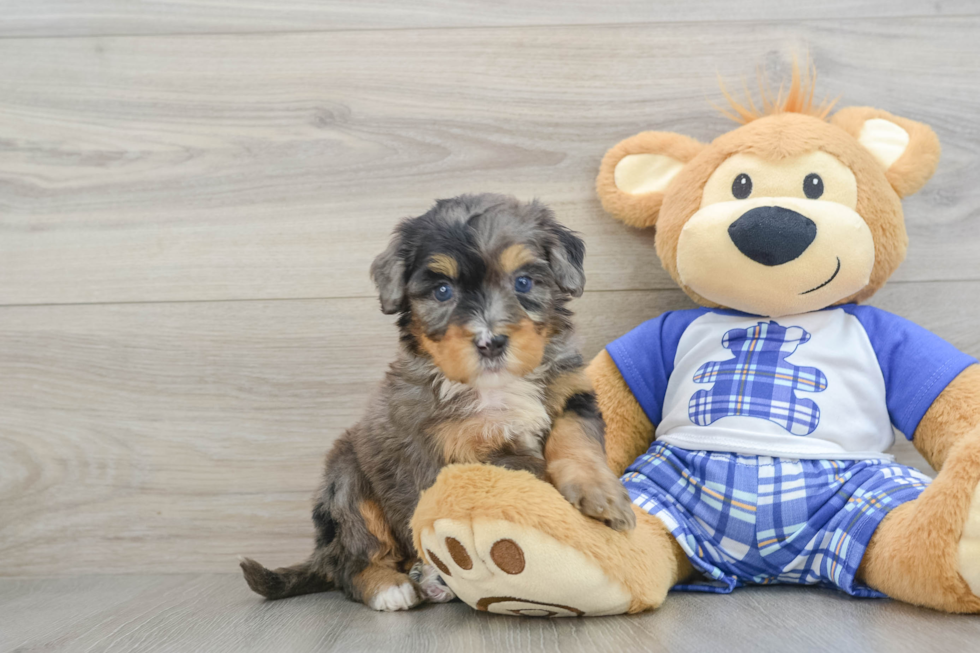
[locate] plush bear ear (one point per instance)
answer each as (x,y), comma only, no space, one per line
(635,173)
(907,151)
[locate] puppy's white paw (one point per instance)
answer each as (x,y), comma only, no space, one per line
(395,597)
(969,549)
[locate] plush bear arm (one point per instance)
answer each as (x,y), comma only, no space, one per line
(954,414)
(628,431)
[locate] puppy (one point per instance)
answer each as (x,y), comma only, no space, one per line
(488,372)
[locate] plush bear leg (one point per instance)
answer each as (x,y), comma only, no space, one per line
(509,543)
(927,551)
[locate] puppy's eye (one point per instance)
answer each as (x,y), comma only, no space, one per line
(523,284)
(443,293)
(813,186)
(742,186)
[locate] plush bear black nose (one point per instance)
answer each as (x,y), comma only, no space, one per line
(772,235)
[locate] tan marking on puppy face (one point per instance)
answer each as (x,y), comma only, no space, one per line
(525,349)
(565,386)
(514,257)
(377,525)
(444,264)
(573,457)
(454,353)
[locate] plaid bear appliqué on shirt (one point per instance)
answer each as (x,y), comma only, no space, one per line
(759,382)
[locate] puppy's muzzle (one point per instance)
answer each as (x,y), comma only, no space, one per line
(491,347)
(772,235)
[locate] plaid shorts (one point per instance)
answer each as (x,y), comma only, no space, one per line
(758,520)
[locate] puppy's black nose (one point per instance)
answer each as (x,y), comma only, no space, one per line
(772,235)
(492,347)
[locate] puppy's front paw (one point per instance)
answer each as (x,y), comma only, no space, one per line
(604,499)
(395,597)
(434,589)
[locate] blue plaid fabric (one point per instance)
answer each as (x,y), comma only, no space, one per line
(759,382)
(759,520)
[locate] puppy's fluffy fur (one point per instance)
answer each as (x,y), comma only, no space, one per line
(488,372)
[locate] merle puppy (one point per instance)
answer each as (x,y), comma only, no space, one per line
(488,372)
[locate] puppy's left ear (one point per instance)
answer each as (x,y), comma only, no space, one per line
(388,273)
(566,256)
(907,151)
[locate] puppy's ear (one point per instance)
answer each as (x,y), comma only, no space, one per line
(906,150)
(566,256)
(388,273)
(635,173)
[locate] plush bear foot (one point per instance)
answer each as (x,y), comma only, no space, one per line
(498,566)
(969,547)
(927,551)
(509,543)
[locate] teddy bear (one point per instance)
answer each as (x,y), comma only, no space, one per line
(752,431)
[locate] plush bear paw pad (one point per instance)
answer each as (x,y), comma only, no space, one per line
(497,566)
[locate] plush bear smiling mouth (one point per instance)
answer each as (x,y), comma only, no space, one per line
(825,283)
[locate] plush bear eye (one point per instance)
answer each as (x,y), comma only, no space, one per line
(742,186)
(443,293)
(813,186)
(522,284)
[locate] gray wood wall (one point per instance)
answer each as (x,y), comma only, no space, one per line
(191,194)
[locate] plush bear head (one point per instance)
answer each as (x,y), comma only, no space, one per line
(789,213)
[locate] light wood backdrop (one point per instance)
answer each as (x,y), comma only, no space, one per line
(191,194)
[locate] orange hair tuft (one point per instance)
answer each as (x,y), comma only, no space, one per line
(799,98)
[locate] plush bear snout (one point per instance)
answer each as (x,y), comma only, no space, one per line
(772,235)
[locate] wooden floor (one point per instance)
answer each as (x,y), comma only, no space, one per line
(216,613)
(191,194)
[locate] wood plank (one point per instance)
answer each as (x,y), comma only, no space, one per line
(177,436)
(274,166)
(114,17)
(173,437)
(217,613)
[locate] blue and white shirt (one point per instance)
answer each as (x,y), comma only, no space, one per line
(828,384)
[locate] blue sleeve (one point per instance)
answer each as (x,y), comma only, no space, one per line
(645,357)
(916,363)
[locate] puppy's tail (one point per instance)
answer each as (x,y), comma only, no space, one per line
(285,581)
